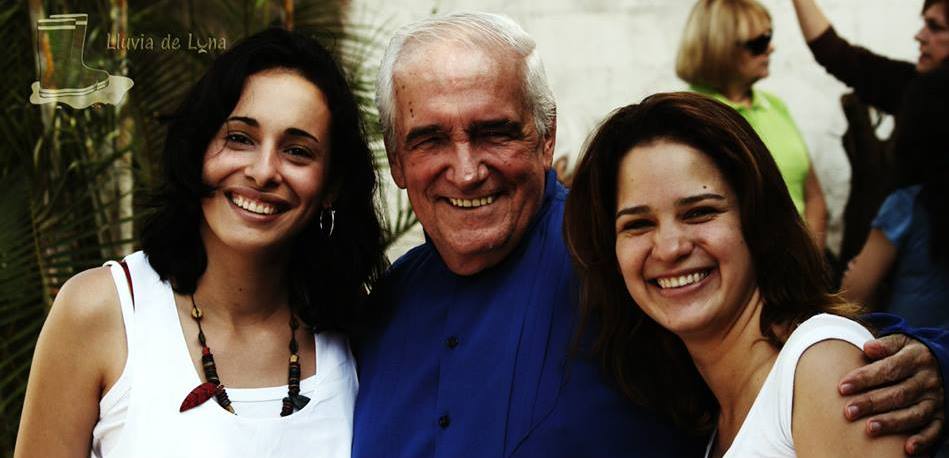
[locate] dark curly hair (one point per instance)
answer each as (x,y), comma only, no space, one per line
(945,6)
(923,152)
(329,276)
(650,364)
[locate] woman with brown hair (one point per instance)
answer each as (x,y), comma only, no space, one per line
(711,298)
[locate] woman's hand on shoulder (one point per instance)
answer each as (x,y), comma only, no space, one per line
(80,353)
(818,425)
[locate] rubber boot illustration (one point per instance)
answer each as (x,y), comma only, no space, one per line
(64,76)
(98,78)
(54,49)
(62,70)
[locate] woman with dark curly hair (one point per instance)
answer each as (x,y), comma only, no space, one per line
(710,296)
(225,335)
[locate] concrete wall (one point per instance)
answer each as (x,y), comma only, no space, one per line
(603,54)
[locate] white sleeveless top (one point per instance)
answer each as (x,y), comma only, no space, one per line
(766,431)
(139,417)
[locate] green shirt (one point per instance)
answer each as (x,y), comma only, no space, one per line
(772,121)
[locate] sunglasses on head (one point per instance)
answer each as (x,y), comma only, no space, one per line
(758,45)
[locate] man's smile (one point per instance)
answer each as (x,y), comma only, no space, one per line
(471,203)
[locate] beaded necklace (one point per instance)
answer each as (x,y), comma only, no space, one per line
(212,387)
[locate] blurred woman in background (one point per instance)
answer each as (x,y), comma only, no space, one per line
(725,50)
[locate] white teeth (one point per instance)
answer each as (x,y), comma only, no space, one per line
(253,206)
(468,203)
(681,280)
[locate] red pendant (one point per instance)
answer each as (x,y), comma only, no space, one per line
(197,396)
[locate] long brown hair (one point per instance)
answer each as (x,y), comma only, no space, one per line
(650,364)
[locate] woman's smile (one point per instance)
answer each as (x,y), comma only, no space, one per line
(679,242)
(268,162)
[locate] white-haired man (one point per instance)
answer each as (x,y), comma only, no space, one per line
(472,357)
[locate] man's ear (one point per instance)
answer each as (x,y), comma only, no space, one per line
(549,142)
(395,166)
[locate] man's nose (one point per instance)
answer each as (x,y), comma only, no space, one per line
(467,169)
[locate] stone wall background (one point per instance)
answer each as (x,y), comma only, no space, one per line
(603,54)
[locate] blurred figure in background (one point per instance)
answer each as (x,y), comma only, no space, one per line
(725,50)
(908,240)
(877,80)
(880,82)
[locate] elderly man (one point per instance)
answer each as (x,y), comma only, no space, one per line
(472,359)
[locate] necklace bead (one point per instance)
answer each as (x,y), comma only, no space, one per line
(213,386)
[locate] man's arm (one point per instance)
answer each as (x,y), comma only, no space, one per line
(903,389)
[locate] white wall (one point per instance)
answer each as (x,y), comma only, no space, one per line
(603,54)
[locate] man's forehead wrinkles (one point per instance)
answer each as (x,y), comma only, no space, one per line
(444,62)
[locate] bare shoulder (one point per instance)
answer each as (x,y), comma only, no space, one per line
(819,427)
(88,297)
(87,317)
(80,353)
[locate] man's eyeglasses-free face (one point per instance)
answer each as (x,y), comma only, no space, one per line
(758,45)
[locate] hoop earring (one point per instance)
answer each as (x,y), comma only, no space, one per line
(332,222)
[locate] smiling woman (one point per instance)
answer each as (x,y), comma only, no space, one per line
(710,298)
(267,160)
(672,203)
(265,223)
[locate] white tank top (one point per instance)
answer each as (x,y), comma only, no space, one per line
(139,417)
(766,431)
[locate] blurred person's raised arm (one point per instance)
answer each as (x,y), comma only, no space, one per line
(878,81)
(811,18)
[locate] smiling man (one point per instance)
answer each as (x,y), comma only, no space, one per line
(472,358)
(467,150)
